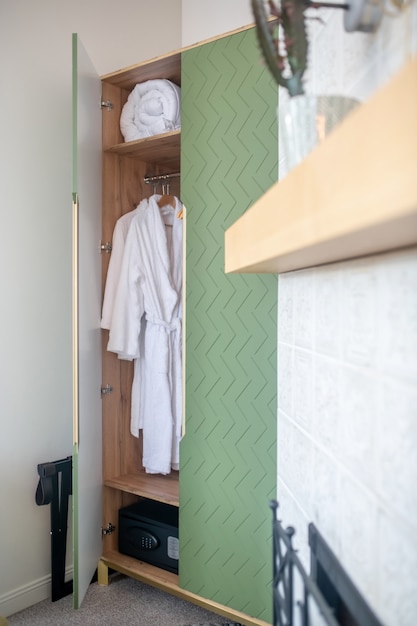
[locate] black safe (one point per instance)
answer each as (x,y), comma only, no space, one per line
(148,531)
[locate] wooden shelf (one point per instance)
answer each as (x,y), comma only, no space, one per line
(160,149)
(168,582)
(164,66)
(152,486)
(143,571)
(354,195)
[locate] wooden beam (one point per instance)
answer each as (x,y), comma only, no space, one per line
(354,195)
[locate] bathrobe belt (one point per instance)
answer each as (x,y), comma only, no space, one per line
(169,327)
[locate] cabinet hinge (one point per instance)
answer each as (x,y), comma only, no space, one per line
(106,390)
(108,530)
(106,104)
(106,247)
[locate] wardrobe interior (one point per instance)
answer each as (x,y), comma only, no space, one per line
(126,167)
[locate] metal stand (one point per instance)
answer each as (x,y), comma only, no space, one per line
(54,488)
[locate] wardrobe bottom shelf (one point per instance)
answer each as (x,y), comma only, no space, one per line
(166,581)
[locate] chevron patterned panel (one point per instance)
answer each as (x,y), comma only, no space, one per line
(228,455)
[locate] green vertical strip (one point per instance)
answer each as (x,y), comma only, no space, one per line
(228,455)
(76,600)
(74,113)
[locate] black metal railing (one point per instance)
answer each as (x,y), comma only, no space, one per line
(297,600)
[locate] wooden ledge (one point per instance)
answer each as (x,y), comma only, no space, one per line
(354,195)
(151,486)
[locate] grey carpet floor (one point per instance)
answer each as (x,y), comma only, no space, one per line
(124,602)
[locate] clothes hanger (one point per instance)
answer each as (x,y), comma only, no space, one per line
(166,198)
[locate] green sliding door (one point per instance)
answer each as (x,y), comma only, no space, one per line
(228,454)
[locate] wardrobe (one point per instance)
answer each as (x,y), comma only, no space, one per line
(226,155)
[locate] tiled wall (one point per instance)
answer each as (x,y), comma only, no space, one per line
(347,372)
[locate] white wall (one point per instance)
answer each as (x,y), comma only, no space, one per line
(35,252)
(347,371)
(203,20)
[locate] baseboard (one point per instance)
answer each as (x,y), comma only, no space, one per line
(27,595)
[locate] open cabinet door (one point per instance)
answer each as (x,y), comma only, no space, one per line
(87,478)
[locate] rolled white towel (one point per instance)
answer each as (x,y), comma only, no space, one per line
(152,107)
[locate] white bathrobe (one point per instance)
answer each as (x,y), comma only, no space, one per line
(150,283)
(112,280)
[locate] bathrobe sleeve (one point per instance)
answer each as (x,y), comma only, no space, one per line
(113,273)
(128,304)
(116,258)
